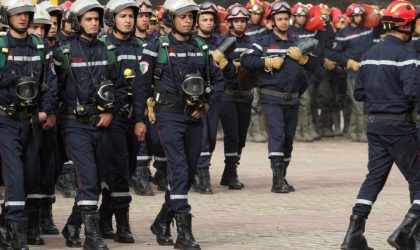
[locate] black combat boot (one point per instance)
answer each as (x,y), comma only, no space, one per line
(160,179)
(185,239)
(66,184)
(286,165)
(141,181)
(355,240)
(17,230)
(4,234)
(46,221)
(93,240)
(403,236)
(279,185)
(34,233)
(123,234)
(71,230)
(204,175)
(105,216)
(161,227)
(230,177)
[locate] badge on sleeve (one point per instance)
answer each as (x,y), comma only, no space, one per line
(144,67)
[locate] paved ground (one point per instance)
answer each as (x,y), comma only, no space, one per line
(326,174)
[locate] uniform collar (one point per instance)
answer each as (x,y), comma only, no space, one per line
(117,42)
(13,42)
(394,39)
(174,41)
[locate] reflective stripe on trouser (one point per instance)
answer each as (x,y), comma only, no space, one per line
(281,128)
(384,151)
(20,168)
(208,142)
(180,136)
(235,118)
(124,154)
(90,150)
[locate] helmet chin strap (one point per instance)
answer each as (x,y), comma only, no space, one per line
(188,33)
(94,35)
(205,32)
(19,31)
(123,33)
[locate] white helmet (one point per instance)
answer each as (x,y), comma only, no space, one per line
(79,8)
(41,16)
(113,7)
(173,8)
(13,7)
(53,10)
(145,6)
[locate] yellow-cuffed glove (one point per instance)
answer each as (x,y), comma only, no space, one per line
(353,65)
(296,54)
(236,63)
(220,59)
(329,64)
(273,62)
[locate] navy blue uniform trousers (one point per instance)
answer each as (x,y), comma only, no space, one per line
(180,136)
(90,150)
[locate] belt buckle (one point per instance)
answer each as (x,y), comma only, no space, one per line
(287,96)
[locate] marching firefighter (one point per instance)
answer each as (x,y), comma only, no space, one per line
(279,65)
(236,102)
(181,72)
(28,94)
(92,93)
(391,131)
(205,30)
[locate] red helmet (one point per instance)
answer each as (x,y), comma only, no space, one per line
(237,11)
(399,13)
(159,10)
(65,8)
(315,20)
(373,16)
(355,9)
(299,9)
(335,12)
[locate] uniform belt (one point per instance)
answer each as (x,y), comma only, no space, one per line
(162,97)
(236,92)
(13,115)
(393,117)
(285,96)
(171,108)
(93,120)
(91,109)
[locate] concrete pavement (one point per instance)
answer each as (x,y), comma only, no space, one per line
(326,174)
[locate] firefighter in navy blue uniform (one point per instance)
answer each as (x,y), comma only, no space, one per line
(151,148)
(28,93)
(305,130)
(387,83)
(205,30)
(51,164)
(182,75)
(93,92)
(236,102)
(120,16)
(281,81)
(254,28)
(66,182)
(351,43)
